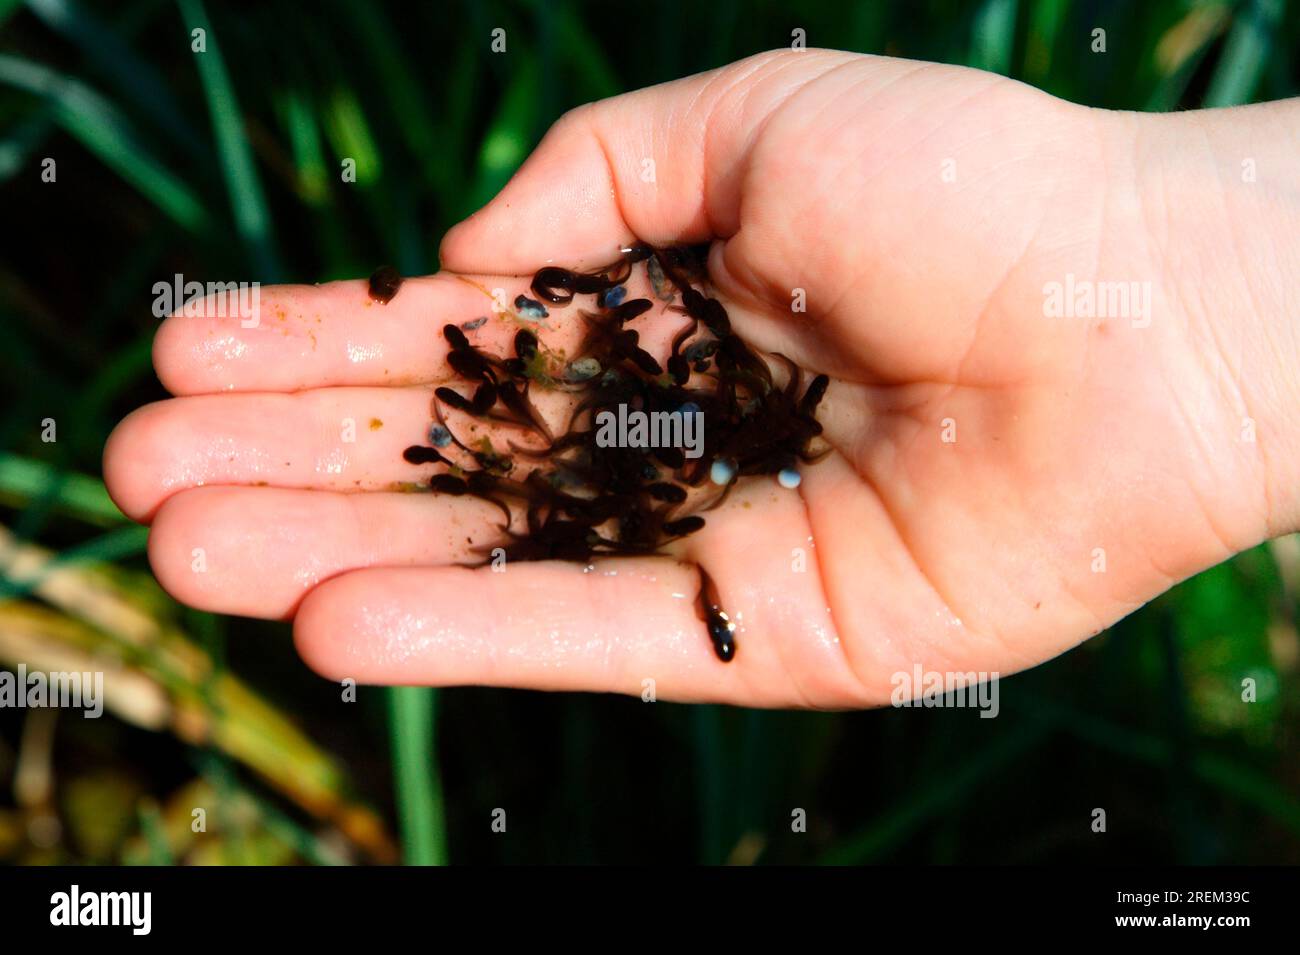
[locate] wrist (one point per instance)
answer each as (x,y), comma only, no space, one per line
(1218,196)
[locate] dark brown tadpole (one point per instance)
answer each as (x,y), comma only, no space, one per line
(384,283)
(722,629)
(419,454)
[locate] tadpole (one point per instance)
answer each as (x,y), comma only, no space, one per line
(722,629)
(384,283)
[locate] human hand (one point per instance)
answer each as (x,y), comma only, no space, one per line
(1002,484)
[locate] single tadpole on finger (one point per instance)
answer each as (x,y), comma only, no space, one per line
(384,283)
(722,629)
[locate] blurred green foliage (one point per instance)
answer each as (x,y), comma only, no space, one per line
(227,164)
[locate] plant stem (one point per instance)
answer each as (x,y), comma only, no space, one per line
(411,720)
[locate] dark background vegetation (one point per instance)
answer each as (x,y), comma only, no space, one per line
(227,165)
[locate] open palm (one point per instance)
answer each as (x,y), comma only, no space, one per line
(1002,484)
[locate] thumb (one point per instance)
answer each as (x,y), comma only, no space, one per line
(664,164)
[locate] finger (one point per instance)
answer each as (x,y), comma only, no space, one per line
(342,439)
(317,336)
(623,626)
(664,165)
(255,552)
(335,335)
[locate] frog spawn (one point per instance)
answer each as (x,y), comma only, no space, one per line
(581,499)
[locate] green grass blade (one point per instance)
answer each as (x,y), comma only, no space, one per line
(1045,21)
(509,137)
(710,785)
(99,126)
(252,218)
(23,480)
(350,137)
(155,834)
(579,48)
(450,173)
(1249,787)
(17,148)
(994,36)
(407,99)
(1242,782)
(133,75)
(304,137)
(223,778)
(1174,78)
(920,805)
(119,371)
(114,545)
(1246,53)
(411,716)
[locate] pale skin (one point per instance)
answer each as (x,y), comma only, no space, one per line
(1002,483)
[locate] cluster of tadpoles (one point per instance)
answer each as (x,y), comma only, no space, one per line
(583,497)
